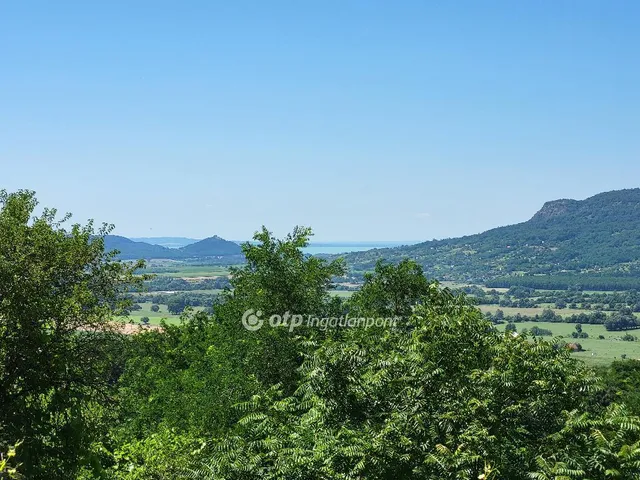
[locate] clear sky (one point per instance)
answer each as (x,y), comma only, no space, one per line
(364,120)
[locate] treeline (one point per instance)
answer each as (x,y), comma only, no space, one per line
(563,282)
(176,302)
(164,283)
(622,320)
(573,297)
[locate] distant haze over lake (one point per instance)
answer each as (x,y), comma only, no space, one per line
(313,248)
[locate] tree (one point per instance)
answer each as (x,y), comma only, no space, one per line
(591,446)
(622,384)
(540,332)
(59,292)
(176,304)
(8,470)
(155,308)
(278,278)
(390,291)
(621,320)
(178,388)
(450,398)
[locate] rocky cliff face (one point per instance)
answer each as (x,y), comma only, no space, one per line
(555,208)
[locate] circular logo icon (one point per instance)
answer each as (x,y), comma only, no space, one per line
(251,320)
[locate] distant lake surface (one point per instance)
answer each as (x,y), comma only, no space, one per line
(333,248)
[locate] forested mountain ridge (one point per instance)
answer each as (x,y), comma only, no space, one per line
(600,234)
(208,247)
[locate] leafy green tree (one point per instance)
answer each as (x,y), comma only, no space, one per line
(155,308)
(8,469)
(621,320)
(540,332)
(450,399)
(390,290)
(177,304)
(177,390)
(59,292)
(590,446)
(622,384)
(180,384)
(278,278)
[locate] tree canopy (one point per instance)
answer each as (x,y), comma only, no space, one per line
(440,394)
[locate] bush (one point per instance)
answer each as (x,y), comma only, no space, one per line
(541,332)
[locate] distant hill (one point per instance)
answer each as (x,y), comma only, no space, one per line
(599,235)
(130,250)
(209,247)
(169,242)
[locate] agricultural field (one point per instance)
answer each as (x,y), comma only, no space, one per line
(596,351)
(154,317)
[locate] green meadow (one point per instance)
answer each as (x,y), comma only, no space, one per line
(596,351)
(154,317)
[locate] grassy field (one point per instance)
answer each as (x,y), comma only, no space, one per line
(596,351)
(341,293)
(154,317)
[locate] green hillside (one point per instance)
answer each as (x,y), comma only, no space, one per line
(598,236)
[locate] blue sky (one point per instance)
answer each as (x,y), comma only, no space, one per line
(364,120)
